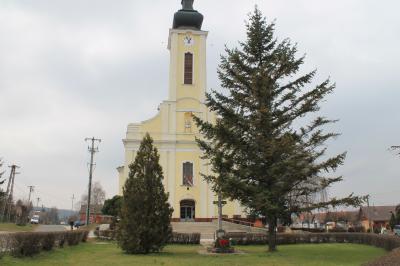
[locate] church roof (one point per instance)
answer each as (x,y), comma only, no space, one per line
(187,17)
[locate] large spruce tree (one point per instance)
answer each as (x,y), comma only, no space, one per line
(145,213)
(259,154)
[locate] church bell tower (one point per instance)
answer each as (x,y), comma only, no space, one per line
(173,129)
(187,45)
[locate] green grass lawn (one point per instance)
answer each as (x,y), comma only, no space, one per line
(107,253)
(10,227)
(98,253)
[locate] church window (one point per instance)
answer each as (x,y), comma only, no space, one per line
(188,174)
(188,76)
(188,122)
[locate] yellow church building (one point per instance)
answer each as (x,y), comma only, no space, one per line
(173,129)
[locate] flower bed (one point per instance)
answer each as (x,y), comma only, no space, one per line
(222,245)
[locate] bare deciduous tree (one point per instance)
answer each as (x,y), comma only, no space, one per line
(98,196)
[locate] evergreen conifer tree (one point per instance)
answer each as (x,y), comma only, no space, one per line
(392,221)
(257,154)
(112,206)
(145,213)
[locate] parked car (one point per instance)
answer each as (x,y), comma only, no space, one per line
(77,224)
(35,219)
(397,230)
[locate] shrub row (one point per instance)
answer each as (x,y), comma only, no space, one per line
(176,238)
(185,238)
(357,229)
(310,230)
(106,234)
(382,241)
(28,244)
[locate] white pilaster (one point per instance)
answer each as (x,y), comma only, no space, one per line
(171,178)
(173,46)
(203,68)
(203,189)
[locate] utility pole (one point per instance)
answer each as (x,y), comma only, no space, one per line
(72,205)
(10,196)
(30,192)
(37,203)
(92,149)
(3,212)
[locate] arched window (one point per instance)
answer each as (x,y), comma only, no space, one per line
(187,179)
(188,76)
(188,122)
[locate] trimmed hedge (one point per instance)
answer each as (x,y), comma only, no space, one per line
(185,238)
(382,241)
(106,234)
(25,244)
(310,230)
(176,238)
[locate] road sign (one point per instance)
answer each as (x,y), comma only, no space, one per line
(222,202)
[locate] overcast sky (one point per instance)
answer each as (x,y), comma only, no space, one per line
(71,69)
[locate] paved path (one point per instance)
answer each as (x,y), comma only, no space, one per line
(50,228)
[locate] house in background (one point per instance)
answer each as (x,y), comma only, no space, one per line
(375,216)
(95,215)
(344,219)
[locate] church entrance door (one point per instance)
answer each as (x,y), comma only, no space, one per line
(188,211)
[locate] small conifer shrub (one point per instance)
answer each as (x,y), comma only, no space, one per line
(145,213)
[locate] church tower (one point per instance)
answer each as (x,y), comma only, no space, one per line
(187,45)
(173,129)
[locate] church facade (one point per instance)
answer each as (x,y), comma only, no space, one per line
(173,129)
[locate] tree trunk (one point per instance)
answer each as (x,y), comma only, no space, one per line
(272,236)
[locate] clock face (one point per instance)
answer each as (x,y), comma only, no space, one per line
(188,40)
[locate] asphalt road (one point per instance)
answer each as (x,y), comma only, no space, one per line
(50,228)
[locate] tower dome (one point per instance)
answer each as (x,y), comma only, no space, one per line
(187,17)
